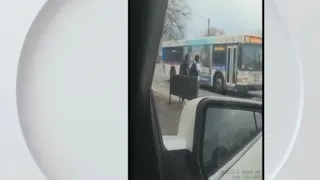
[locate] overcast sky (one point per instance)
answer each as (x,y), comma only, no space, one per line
(234,16)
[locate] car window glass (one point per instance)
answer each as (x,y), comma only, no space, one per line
(205,28)
(209,30)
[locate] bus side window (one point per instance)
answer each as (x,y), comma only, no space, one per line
(206,55)
(172,55)
(196,51)
(219,56)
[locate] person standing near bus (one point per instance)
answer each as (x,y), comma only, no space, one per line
(184,66)
(195,69)
(163,67)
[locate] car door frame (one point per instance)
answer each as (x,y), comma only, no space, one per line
(146,19)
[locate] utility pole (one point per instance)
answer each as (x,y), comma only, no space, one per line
(208,26)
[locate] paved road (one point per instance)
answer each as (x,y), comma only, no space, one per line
(169,115)
(162,80)
(161,85)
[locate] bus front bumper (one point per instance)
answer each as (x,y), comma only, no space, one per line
(246,88)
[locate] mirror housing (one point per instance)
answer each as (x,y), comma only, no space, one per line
(192,127)
(192,115)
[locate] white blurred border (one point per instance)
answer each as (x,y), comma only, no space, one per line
(284,91)
(301,19)
(15,160)
(16,17)
(301,22)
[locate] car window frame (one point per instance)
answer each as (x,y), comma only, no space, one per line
(146,20)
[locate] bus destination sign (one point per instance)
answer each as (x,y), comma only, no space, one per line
(254,40)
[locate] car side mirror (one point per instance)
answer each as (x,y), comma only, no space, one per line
(225,136)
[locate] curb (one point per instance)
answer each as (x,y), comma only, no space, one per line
(174,99)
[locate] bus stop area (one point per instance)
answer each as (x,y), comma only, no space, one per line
(169,114)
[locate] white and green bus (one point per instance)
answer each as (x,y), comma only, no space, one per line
(229,63)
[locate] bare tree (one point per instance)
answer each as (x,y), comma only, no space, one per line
(174,24)
(213,31)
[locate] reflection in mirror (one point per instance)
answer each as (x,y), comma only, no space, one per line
(259,121)
(227,132)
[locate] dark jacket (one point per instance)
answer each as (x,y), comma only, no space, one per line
(184,68)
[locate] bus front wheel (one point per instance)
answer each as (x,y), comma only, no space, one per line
(218,84)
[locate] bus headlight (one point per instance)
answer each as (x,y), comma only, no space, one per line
(242,80)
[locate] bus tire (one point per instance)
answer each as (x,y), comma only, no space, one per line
(219,84)
(172,71)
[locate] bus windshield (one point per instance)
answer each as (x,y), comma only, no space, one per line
(251,59)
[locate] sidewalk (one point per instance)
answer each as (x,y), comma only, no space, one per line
(168,115)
